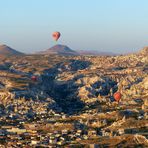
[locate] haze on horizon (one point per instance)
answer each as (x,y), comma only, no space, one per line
(118,26)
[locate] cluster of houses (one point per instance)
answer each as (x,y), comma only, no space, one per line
(92,80)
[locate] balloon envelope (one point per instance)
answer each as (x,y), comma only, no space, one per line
(34,78)
(117,96)
(56,35)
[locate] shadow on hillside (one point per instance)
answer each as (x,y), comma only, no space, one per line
(64,92)
(105,86)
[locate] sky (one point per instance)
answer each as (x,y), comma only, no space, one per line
(118,26)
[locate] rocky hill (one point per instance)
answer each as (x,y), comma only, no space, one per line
(7,51)
(60,50)
(144,51)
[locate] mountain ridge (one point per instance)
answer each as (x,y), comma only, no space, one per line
(95,52)
(7,51)
(60,50)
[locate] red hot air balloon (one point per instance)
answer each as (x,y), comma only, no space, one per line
(34,78)
(117,96)
(56,35)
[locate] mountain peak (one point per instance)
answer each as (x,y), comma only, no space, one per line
(7,51)
(60,50)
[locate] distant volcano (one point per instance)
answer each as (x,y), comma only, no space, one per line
(7,51)
(59,50)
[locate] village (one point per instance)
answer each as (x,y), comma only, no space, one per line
(63,101)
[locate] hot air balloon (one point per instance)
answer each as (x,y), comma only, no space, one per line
(34,78)
(56,35)
(117,96)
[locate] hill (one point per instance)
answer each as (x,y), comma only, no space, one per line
(59,50)
(7,51)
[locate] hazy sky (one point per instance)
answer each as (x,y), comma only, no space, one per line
(106,25)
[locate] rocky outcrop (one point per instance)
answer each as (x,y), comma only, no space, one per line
(144,51)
